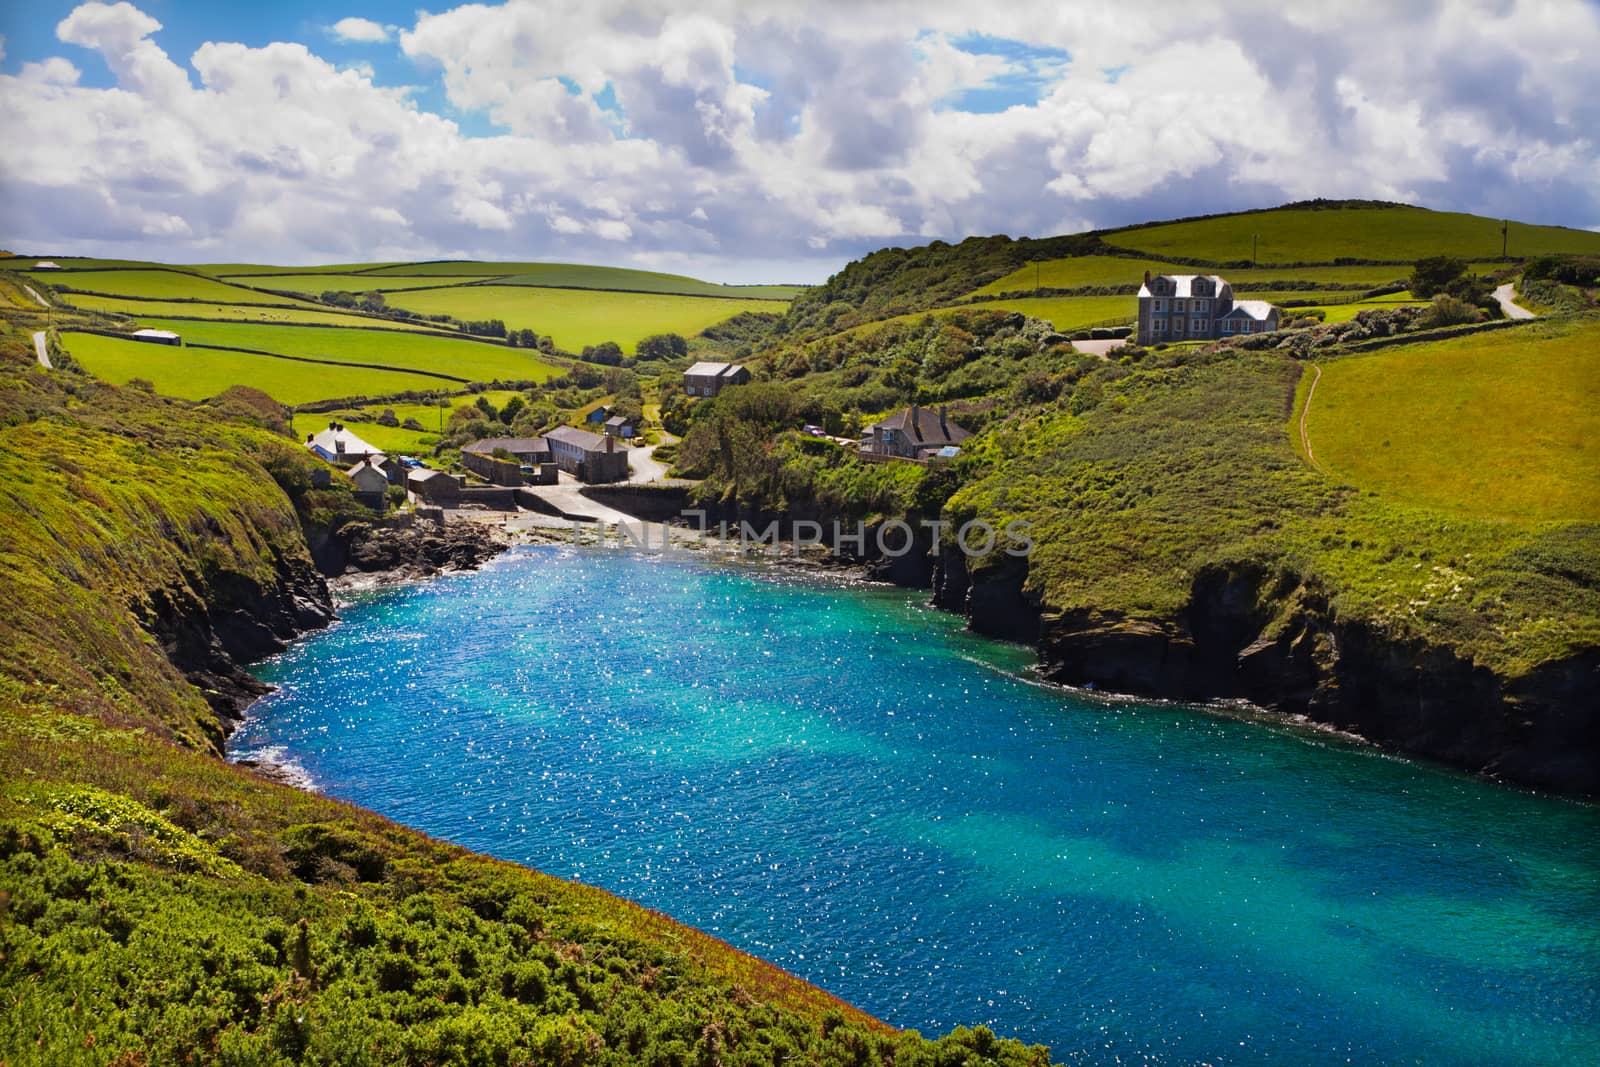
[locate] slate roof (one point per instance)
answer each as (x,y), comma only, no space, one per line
(619,421)
(1181,284)
(515,445)
(327,442)
(713,370)
(589,442)
(924,428)
(1259,310)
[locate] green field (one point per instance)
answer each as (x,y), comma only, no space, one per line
(471,360)
(576,317)
(584,276)
(1500,424)
(1346,312)
(233,312)
(197,373)
(1069,313)
(398,439)
(317,283)
(231,270)
(1082,271)
(1402,233)
(160,285)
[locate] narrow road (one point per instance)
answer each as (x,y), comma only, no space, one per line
(1305,413)
(35,294)
(643,465)
(1506,296)
(40,348)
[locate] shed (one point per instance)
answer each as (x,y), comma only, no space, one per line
(429,486)
(157,337)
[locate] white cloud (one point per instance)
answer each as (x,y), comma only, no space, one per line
(359,29)
(732,132)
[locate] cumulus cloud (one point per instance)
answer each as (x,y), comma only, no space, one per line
(728,134)
(359,29)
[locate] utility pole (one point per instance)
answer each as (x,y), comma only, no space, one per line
(1255,237)
(1036,277)
(1505,227)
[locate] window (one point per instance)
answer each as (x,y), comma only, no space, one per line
(1227,325)
(1159,326)
(1177,305)
(1160,306)
(1245,327)
(1177,325)
(1197,326)
(1202,305)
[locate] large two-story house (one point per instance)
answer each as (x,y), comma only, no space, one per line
(1190,307)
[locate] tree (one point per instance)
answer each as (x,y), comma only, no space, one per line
(662,346)
(483,405)
(509,412)
(1434,274)
(388,418)
(606,353)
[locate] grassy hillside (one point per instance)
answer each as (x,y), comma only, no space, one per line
(162,309)
(1084,271)
(584,276)
(1479,425)
(1399,233)
(197,373)
(159,285)
(164,907)
(579,317)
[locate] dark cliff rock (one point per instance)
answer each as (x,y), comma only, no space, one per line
(210,624)
(1269,638)
(402,548)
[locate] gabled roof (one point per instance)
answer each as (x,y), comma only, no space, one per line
(366,465)
(165,335)
(589,442)
(714,370)
(619,421)
(515,445)
(332,442)
(1259,310)
(925,428)
(1181,283)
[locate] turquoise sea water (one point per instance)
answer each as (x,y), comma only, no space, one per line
(842,782)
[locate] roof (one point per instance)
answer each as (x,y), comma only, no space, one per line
(368,464)
(714,370)
(164,334)
(426,474)
(619,420)
(1260,310)
(589,442)
(45,264)
(341,441)
(926,429)
(515,445)
(1182,282)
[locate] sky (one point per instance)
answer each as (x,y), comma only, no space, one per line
(747,140)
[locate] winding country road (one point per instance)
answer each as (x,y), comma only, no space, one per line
(35,294)
(1506,295)
(41,349)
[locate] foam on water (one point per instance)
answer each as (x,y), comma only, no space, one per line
(841,781)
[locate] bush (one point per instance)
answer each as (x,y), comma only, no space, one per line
(1433,274)
(388,418)
(1449,310)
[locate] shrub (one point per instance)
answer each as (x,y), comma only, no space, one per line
(1448,310)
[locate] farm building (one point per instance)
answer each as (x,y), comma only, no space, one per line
(428,486)
(1180,307)
(914,433)
(619,426)
(157,337)
(532,463)
(45,264)
(708,379)
(587,456)
(598,415)
(372,483)
(339,446)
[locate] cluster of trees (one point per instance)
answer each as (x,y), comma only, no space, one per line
(370,301)
(1449,275)
(1582,271)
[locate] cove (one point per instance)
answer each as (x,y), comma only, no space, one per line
(844,782)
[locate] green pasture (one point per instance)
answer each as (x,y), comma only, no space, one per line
(1079,272)
(471,360)
(318,283)
(398,439)
(197,373)
(160,285)
(586,276)
(575,318)
(1346,312)
(1401,233)
(230,312)
(240,270)
(1069,313)
(1498,424)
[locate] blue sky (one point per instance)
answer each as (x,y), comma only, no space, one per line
(757,140)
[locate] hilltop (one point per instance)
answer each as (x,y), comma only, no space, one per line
(1424,575)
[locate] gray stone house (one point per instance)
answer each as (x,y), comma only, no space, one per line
(1197,307)
(589,457)
(708,379)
